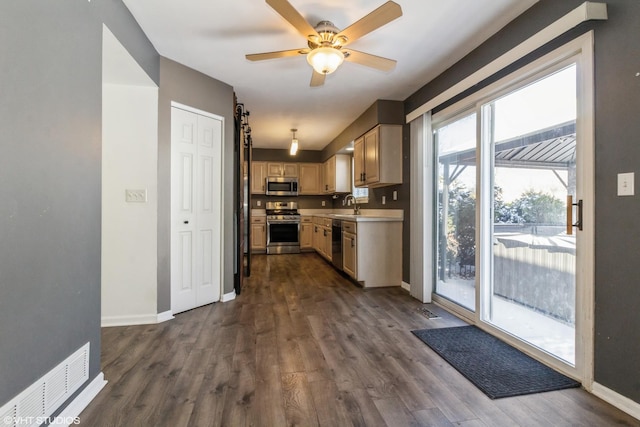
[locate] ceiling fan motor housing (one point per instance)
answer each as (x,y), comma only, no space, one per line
(327,33)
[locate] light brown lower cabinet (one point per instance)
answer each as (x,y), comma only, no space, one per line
(258,234)
(349,251)
(375,260)
(306,233)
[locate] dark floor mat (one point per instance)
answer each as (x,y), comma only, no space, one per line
(495,367)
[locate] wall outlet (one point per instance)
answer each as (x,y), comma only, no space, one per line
(625,184)
(395,195)
(258,203)
(324,203)
(384,200)
(135,196)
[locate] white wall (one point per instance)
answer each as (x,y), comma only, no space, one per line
(129,161)
(129,230)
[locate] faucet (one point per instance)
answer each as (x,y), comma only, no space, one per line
(349,197)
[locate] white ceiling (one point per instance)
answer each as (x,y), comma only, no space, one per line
(213,36)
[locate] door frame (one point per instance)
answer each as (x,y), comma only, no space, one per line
(220,177)
(580,51)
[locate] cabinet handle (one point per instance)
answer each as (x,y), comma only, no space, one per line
(353,242)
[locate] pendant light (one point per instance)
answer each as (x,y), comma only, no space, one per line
(294,143)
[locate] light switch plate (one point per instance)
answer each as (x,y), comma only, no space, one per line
(384,200)
(135,196)
(324,203)
(395,195)
(258,203)
(625,184)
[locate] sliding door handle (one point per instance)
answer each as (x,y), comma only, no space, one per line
(570,223)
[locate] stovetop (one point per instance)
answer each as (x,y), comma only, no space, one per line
(282,210)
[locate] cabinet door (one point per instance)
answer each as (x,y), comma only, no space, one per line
(258,177)
(274,169)
(349,254)
(358,162)
(330,175)
(371,159)
(290,170)
(328,243)
(258,236)
(306,235)
(309,181)
(316,237)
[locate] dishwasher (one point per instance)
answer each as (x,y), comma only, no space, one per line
(336,243)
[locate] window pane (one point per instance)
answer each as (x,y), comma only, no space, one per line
(456,215)
(360,193)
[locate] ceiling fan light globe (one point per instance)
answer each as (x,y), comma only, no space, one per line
(325,60)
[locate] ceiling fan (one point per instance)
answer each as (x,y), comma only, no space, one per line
(327,44)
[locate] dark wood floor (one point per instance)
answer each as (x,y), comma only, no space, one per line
(303,346)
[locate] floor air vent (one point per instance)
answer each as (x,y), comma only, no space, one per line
(45,396)
(428,314)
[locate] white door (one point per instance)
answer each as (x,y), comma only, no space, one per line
(196,214)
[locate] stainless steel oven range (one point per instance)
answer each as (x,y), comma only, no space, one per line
(283,228)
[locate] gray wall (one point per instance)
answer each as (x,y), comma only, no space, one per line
(50,169)
(382,112)
(282,155)
(617,149)
(186,86)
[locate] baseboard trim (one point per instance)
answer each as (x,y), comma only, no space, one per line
(71,413)
(616,399)
(228,297)
(164,316)
(406,286)
(138,319)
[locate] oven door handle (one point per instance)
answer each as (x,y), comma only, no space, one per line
(282,222)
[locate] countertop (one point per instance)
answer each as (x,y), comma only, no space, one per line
(366,215)
(363,217)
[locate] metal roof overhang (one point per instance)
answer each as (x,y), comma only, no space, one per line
(550,148)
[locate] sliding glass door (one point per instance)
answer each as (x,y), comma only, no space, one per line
(456,211)
(505,244)
(530,292)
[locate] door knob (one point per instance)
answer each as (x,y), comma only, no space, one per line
(186,222)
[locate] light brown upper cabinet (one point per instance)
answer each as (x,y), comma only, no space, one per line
(378,157)
(337,174)
(258,177)
(282,169)
(310,179)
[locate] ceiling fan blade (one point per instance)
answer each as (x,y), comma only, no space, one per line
(288,12)
(376,19)
(317,79)
(278,54)
(373,61)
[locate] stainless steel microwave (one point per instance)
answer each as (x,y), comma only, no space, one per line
(281,186)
